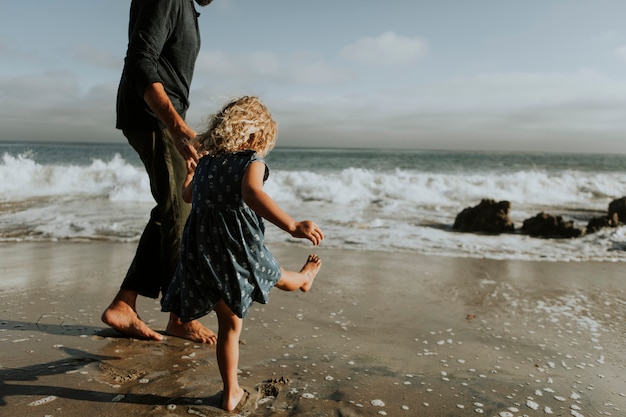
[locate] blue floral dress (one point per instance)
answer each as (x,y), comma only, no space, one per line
(223,255)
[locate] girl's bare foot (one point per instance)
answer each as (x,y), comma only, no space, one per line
(231,401)
(193,330)
(310,270)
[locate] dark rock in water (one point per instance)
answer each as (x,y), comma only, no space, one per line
(549,226)
(601,222)
(487,217)
(616,216)
(618,207)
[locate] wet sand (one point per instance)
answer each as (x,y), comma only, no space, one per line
(379,334)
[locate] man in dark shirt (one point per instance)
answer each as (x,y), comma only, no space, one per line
(153,98)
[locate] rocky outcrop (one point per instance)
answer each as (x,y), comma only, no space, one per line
(493,217)
(618,207)
(615,217)
(601,222)
(549,226)
(487,217)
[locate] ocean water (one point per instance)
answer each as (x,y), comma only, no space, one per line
(363,199)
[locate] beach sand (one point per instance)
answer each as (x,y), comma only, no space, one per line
(391,334)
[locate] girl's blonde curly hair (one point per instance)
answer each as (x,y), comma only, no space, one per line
(243,123)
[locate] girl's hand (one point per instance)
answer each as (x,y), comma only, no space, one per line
(191,166)
(308,230)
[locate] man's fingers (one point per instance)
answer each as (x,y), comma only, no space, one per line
(191,153)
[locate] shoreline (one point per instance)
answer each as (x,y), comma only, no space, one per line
(380,333)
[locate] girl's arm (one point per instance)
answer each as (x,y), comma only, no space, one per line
(188,184)
(259,201)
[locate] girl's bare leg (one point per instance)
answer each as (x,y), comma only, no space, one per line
(303,280)
(228,354)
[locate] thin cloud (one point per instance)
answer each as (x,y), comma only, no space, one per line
(497,92)
(44,90)
(495,111)
(620,53)
(387,49)
(98,57)
(311,70)
(5,46)
(608,36)
(53,106)
(13,55)
(267,67)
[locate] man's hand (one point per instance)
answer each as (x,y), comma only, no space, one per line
(186,148)
(159,102)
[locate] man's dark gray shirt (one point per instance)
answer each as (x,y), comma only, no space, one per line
(164,42)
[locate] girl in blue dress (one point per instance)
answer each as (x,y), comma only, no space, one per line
(224,264)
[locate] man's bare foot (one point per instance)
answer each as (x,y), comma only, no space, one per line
(231,401)
(310,269)
(123,318)
(192,330)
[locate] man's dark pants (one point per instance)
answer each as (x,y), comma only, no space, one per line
(159,246)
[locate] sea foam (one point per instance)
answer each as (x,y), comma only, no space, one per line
(23,178)
(359,206)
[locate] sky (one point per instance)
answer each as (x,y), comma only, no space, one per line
(484,75)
